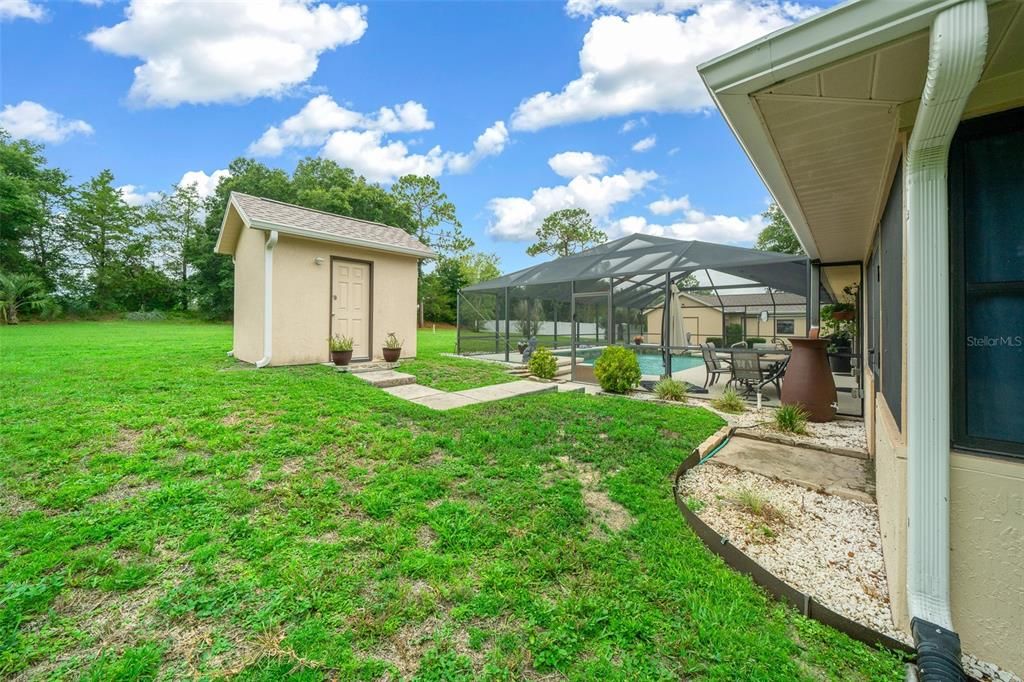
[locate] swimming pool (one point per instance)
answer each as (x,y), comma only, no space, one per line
(650,363)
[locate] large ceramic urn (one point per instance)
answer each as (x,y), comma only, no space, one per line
(808,380)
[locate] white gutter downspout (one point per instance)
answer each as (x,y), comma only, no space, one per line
(956,56)
(268,298)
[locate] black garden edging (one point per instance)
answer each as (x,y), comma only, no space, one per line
(776,587)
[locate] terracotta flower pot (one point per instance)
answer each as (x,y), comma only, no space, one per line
(391,354)
(808,381)
(341,357)
(845,315)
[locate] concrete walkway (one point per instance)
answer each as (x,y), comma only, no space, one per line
(848,477)
(404,386)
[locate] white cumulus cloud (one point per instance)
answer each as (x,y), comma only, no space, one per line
(206,184)
(664,206)
(322,116)
(134,196)
(571,164)
(648,61)
(33,121)
(694,224)
(21,9)
(490,143)
(646,143)
(202,52)
(380,160)
(517,218)
(361,141)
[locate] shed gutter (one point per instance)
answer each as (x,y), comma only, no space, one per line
(268,299)
(956,57)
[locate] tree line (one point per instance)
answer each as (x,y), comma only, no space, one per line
(82,250)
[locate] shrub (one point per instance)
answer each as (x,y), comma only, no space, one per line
(617,369)
(145,316)
(671,389)
(543,363)
(716,340)
(733,334)
(751,340)
(791,418)
(730,402)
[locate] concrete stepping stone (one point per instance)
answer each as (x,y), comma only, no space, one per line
(386,378)
(445,401)
(413,391)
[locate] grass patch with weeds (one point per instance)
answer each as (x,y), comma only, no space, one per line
(162,518)
(791,418)
(730,402)
(450,374)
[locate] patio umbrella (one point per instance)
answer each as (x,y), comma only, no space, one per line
(677,334)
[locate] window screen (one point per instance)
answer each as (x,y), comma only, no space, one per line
(890,261)
(872,286)
(987,253)
(784,326)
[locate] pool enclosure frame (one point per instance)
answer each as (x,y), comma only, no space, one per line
(607,295)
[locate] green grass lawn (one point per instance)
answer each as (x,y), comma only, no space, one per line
(166,513)
(450,374)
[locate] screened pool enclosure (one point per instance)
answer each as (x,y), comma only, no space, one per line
(616,293)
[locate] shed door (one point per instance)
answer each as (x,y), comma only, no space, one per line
(350,304)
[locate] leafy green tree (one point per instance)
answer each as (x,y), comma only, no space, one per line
(177,217)
(20,292)
(211,281)
(479,267)
(566,232)
(33,204)
(778,235)
(433,216)
(107,233)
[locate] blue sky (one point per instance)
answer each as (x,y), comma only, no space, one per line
(153,91)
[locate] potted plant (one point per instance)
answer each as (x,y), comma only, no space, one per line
(638,339)
(341,349)
(392,347)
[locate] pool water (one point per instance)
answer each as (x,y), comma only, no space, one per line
(650,363)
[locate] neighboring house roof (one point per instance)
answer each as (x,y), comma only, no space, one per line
(267,214)
(753,304)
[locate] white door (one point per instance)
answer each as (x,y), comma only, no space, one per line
(350,304)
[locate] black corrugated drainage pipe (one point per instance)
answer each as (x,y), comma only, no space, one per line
(938,653)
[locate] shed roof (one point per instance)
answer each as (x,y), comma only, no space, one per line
(268,214)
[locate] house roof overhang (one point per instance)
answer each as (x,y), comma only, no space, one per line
(819,108)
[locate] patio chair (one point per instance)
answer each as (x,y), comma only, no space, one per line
(747,371)
(765,346)
(712,365)
(739,344)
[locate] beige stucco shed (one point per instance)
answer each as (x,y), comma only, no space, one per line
(302,276)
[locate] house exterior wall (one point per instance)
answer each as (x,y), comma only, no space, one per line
(700,321)
(986,527)
(302,299)
(249,278)
(704,322)
(766,330)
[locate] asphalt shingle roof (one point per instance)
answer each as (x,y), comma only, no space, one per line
(330,224)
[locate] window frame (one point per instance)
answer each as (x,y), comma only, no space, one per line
(792,326)
(960,439)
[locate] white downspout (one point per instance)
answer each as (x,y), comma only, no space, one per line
(956,56)
(268,299)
